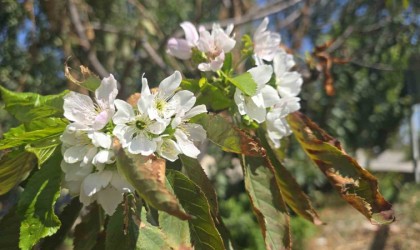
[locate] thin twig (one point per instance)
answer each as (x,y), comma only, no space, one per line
(155,56)
(340,40)
(378,66)
(291,18)
(269,9)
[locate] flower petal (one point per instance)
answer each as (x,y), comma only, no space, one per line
(270,96)
(261,75)
(109,198)
(168,85)
(191,34)
(75,153)
(100,139)
(104,157)
(120,183)
(142,145)
(158,127)
(179,48)
(124,114)
(105,94)
(74,172)
(94,182)
(168,149)
(254,108)
(289,84)
(195,111)
(182,100)
(196,132)
(79,108)
(239,98)
(187,146)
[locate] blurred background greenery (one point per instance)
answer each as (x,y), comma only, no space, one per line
(359,61)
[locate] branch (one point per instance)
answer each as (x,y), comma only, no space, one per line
(258,13)
(155,56)
(84,41)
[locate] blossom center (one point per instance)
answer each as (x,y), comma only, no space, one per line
(140,124)
(160,105)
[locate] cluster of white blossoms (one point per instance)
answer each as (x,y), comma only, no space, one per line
(269,104)
(158,124)
(213,45)
(280,101)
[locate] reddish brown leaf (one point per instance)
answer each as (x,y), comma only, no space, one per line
(355,184)
(147,175)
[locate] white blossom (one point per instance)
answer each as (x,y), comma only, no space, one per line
(135,130)
(215,45)
(277,126)
(266,43)
(265,96)
(167,100)
(81,109)
(186,133)
(86,146)
(106,187)
(181,48)
(288,82)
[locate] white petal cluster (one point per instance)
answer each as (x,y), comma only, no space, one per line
(266,43)
(159,122)
(87,148)
(272,102)
(212,44)
(266,96)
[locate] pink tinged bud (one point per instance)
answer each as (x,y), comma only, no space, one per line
(179,48)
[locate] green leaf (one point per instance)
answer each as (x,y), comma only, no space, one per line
(204,234)
(292,194)
(147,176)
(207,93)
(122,232)
(44,131)
(212,96)
(87,232)
(195,172)
(36,205)
(9,230)
(228,137)
(355,184)
(227,63)
(14,168)
(151,237)
(177,231)
(29,106)
(67,218)
(14,132)
(44,149)
(245,83)
(267,203)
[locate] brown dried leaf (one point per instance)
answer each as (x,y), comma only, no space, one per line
(355,184)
